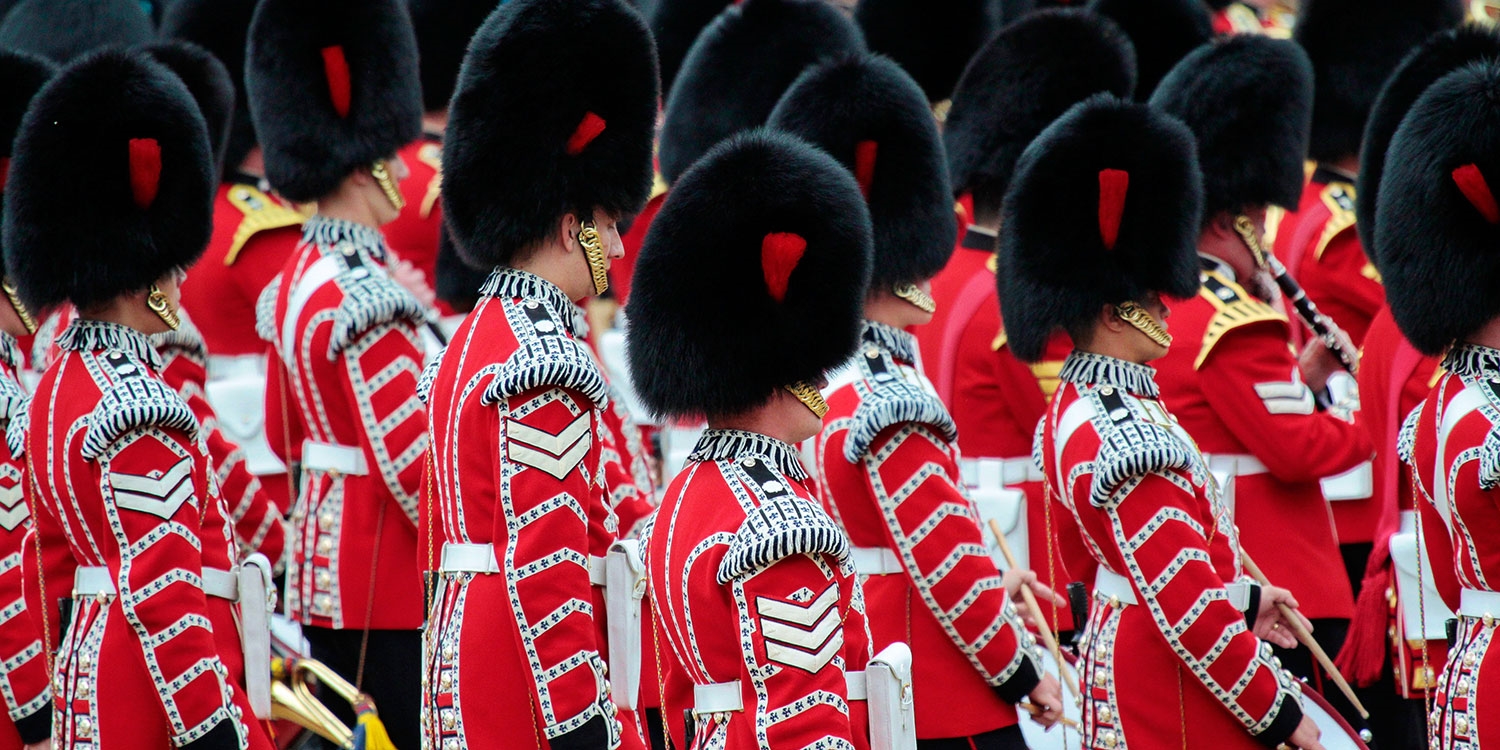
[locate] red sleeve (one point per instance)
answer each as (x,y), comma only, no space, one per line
(284,430)
(1344,284)
(23,663)
(381,370)
(628,476)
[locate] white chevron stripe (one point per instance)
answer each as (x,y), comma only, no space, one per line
(160,496)
(544,440)
(804,615)
(793,635)
(1286,398)
(812,662)
(13,517)
(559,466)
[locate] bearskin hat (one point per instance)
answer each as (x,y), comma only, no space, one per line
(567,132)
(740,66)
(1022,80)
(111,185)
(21,77)
(1163,32)
(676,24)
(333,88)
(752,277)
(1354,45)
(208,81)
(457,283)
(932,41)
(221,27)
(1439,220)
(1441,54)
(870,115)
(444,28)
(1104,208)
(1248,100)
(63,30)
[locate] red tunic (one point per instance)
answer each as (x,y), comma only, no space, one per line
(123,483)
(1178,668)
(413,236)
(23,681)
(1233,381)
(752,583)
(344,339)
(515,404)
(888,473)
(1453,447)
(1324,255)
(959,289)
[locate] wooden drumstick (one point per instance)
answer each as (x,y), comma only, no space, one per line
(1042,629)
(1306,639)
(1036,710)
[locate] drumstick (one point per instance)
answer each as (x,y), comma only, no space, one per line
(1306,638)
(1036,710)
(1041,622)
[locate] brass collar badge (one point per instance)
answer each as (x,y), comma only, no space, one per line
(593,251)
(1142,321)
(810,397)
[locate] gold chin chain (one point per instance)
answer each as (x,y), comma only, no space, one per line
(159,304)
(15,302)
(810,397)
(593,251)
(918,298)
(1142,321)
(387,184)
(1248,234)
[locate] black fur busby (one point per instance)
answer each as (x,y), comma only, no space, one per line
(1439,220)
(333,87)
(752,277)
(62,30)
(457,283)
(1354,46)
(676,24)
(1022,80)
(740,66)
(932,41)
(537,130)
(1163,32)
(21,77)
(1439,55)
(1248,100)
(870,115)
(209,83)
(221,27)
(1104,208)
(444,28)
(111,185)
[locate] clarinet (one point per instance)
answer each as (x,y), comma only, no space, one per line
(1321,325)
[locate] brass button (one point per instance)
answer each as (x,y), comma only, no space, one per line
(85,727)
(1105,714)
(1109,738)
(450,720)
(448,653)
(445,681)
(1100,678)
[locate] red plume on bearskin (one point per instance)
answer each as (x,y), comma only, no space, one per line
(1114,184)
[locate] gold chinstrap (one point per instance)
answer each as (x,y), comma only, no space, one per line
(914,295)
(810,397)
(27,321)
(1142,321)
(382,175)
(157,301)
(593,251)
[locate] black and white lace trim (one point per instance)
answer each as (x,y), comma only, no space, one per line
(720,445)
(901,345)
(1473,361)
(513,283)
(10,351)
(90,335)
(1086,368)
(326,232)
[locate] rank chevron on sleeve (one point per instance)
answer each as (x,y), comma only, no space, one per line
(557,454)
(159,495)
(805,636)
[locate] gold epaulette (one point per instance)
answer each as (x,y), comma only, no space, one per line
(1235,307)
(262,213)
(1048,375)
(431,154)
(1339,198)
(658,186)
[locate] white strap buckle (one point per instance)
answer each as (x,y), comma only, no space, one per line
(724,697)
(1479,603)
(329,457)
(468,558)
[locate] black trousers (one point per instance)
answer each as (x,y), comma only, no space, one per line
(393,676)
(1009,738)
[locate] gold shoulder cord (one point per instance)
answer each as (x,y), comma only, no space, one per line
(593,252)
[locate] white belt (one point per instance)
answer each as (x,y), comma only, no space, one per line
(1477,603)
(722,697)
(225,366)
(1118,589)
(875,561)
(1002,472)
(343,459)
(1235,464)
(460,557)
(91,580)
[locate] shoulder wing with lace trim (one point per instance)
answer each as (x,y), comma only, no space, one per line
(371,298)
(429,374)
(1234,307)
(1489,452)
(1406,439)
(546,356)
(1131,446)
(18,405)
(781,525)
(894,402)
(265,311)
(134,401)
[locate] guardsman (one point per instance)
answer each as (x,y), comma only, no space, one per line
(1439,223)
(1162,31)
(1230,375)
(932,43)
(255,231)
(753,583)
(103,215)
(1100,224)
(333,91)
(526,526)
(1021,81)
(887,462)
(28,703)
(63,30)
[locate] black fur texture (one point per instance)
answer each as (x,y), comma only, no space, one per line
(1163,32)
(21,77)
(1354,45)
(309,149)
(444,28)
(740,66)
(222,27)
(932,41)
(1439,256)
(706,337)
(1054,267)
(72,230)
(1439,55)
(63,30)
(837,105)
(522,93)
(676,24)
(208,81)
(1022,80)
(1248,100)
(457,282)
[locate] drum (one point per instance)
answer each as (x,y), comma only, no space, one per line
(1337,734)
(1061,736)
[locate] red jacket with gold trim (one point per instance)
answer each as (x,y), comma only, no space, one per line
(1324,255)
(413,236)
